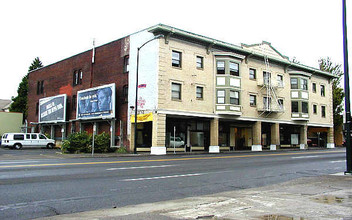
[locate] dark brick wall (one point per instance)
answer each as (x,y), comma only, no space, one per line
(58,79)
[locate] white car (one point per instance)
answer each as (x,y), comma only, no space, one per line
(176,141)
(19,140)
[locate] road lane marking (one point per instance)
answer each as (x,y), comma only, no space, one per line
(163,160)
(303,157)
(20,161)
(143,167)
(338,161)
(164,177)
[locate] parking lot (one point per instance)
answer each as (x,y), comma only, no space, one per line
(29,153)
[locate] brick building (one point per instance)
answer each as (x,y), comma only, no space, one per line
(195,93)
(78,73)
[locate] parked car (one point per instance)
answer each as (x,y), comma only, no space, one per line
(176,141)
(313,142)
(19,140)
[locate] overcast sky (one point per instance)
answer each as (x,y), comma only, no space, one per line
(54,30)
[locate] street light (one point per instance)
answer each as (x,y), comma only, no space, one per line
(136,106)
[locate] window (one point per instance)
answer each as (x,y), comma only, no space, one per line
(252,100)
(126,64)
(40,87)
(74,102)
(200,64)
(199,92)
(77,77)
(266,77)
(176,91)
(37,108)
(315,110)
(294,83)
(280,80)
(220,67)
(221,96)
(266,102)
(42,137)
(28,136)
(18,137)
(252,74)
(281,104)
(304,107)
(234,69)
(314,87)
(323,113)
(125,93)
(304,84)
(322,90)
(33,136)
(294,107)
(176,58)
(234,97)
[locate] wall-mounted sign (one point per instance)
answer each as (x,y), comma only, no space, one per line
(52,109)
(98,102)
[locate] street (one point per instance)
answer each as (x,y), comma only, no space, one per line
(33,188)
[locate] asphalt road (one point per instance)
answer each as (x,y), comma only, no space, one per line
(32,188)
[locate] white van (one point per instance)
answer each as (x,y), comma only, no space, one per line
(19,140)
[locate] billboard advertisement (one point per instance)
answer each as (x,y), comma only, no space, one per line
(98,102)
(52,109)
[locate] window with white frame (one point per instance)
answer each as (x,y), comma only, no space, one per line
(220,67)
(314,87)
(280,80)
(304,84)
(315,109)
(221,96)
(281,104)
(322,90)
(252,74)
(234,97)
(294,106)
(266,77)
(176,91)
(266,102)
(200,62)
(294,83)
(252,100)
(304,107)
(199,92)
(176,58)
(323,112)
(234,69)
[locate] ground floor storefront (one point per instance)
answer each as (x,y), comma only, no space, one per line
(164,133)
(60,131)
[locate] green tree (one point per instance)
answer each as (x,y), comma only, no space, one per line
(19,103)
(338,94)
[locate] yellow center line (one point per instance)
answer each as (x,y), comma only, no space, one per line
(162,160)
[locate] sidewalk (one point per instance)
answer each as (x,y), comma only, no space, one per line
(35,153)
(323,197)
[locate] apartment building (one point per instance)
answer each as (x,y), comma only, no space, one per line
(194,93)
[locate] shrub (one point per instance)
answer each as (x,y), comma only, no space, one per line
(77,143)
(102,143)
(122,150)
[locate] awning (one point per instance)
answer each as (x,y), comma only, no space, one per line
(142,118)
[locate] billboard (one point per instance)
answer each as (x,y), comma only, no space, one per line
(52,109)
(98,102)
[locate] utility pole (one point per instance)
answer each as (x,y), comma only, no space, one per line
(347,94)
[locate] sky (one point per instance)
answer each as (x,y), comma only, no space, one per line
(55,30)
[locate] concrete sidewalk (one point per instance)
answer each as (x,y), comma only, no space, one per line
(323,197)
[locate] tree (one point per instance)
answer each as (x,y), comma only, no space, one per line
(19,103)
(338,94)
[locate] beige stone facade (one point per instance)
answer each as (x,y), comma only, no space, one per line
(214,94)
